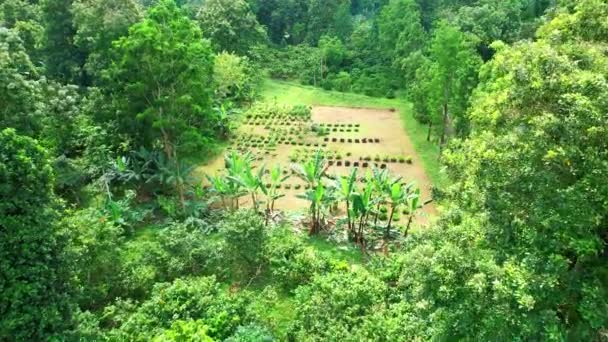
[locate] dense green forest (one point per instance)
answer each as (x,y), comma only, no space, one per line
(108,231)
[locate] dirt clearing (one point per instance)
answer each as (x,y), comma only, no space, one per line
(353,137)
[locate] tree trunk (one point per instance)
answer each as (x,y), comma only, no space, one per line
(180,184)
(428,136)
(444,121)
(387,232)
(360,235)
(376,214)
(350,226)
(254,202)
(314,221)
(409,223)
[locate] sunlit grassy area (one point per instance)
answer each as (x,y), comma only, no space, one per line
(292,93)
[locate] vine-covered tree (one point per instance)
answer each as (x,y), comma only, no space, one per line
(34,268)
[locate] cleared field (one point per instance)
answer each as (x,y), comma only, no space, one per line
(289,93)
(348,138)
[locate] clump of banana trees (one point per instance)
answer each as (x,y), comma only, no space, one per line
(271,189)
(242,179)
(318,194)
(372,207)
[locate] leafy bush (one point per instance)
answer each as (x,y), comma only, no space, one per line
(301,111)
(245,236)
(97,246)
(234,78)
(251,333)
(183,300)
(336,303)
(185,331)
(34,278)
(342,82)
(291,262)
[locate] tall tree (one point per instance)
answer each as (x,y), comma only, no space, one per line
(161,82)
(20,91)
(522,254)
(161,87)
(454,75)
(98,23)
(25,18)
(230,25)
(63,60)
(492,20)
(322,18)
(34,277)
(402,36)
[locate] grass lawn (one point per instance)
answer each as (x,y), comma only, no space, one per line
(291,93)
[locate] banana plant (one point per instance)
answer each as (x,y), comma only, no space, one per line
(174,173)
(346,187)
(398,195)
(319,197)
(224,187)
(236,164)
(412,205)
(250,181)
(312,171)
(271,192)
(380,181)
(219,186)
(363,205)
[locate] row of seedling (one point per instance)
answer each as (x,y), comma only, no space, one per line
(389,159)
(290,186)
(301,143)
(266,110)
(268,124)
(342,130)
(348,163)
(353,140)
(337,125)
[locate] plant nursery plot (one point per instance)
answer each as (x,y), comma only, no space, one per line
(347,137)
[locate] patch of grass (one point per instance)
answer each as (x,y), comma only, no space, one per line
(290,93)
(348,253)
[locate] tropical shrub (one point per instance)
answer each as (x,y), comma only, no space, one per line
(234,78)
(183,300)
(335,304)
(290,261)
(245,235)
(34,264)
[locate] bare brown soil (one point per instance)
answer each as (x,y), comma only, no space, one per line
(384,125)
